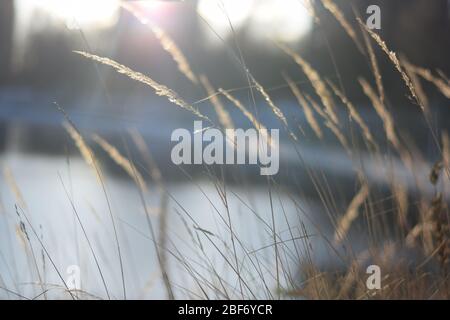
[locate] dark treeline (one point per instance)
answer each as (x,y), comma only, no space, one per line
(419,29)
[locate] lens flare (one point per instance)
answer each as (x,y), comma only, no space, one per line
(96,14)
(286,20)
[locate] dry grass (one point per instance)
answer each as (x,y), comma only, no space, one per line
(160,89)
(12,183)
(395,61)
(394,223)
(446,149)
(223,115)
(383,113)
(345,24)
(354,114)
(121,161)
(417,85)
(351,214)
(167,43)
(441,84)
(374,64)
(401,198)
(258,125)
(316,81)
(306,109)
(276,110)
(85,150)
(331,125)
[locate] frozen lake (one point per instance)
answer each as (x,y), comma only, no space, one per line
(198,237)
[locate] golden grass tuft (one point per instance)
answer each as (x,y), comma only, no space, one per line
(383,113)
(443,76)
(166,41)
(316,106)
(144,150)
(441,84)
(446,150)
(309,6)
(374,65)
(258,125)
(276,110)
(355,115)
(21,237)
(306,108)
(223,115)
(351,214)
(340,17)
(340,136)
(316,81)
(121,161)
(438,214)
(85,150)
(410,70)
(401,199)
(170,46)
(393,57)
(331,125)
(12,184)
(129,6)
(160,90)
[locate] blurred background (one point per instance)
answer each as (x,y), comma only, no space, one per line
(38,69)
(38,66)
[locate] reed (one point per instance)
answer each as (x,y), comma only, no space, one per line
(85,150)
(374,65)
(160,90)
(395,61)
(354,114)
(383,113)
(306,108)
(223,115)
(14,187)
(345,24)
(121,161)
(168,44)
(442,85)
(258,125)
(316,81)
(394,218)
(331,125)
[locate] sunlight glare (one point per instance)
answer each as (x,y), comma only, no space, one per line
(286,20)
(217,12)
(96,14)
